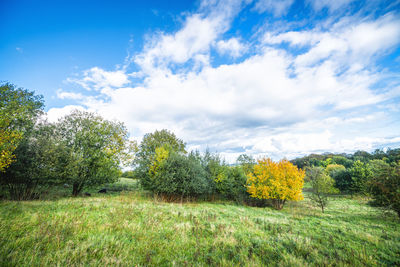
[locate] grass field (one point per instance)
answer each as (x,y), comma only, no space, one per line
(129,228)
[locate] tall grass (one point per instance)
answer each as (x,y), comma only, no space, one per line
(129,228)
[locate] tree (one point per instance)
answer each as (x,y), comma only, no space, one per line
(343,180)
(35,164)
(279,182)
(233,186)
(19,109)
(360,174)
(322,186)
(91,149)
(385,186)
(332,169)
(175,174)
(147,150)
(246,162)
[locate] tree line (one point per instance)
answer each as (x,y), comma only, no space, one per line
(83,149)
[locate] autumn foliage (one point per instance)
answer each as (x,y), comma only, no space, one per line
(278,181)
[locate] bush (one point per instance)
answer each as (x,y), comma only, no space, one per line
(233,186)
(322,186)
(147,150)
(360,175)
(385,187)
(179,175)
(35,164)
(343,180)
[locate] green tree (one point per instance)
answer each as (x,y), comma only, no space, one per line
(385,186)
(178,175)
(19,109)
(332,169)
(246,162)
(343,180)
(91,149)
(147,149)
(360,174)
(322,186)
(35,165)
(233,187)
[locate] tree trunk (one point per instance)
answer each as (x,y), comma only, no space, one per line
(278,203)
(75,189)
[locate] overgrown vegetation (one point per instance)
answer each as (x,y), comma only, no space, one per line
(130,222)
(133,228)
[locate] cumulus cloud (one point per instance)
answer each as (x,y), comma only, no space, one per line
(97,78)
(277,101)
(232,47)
(69,95)
(199,32)
(54,114)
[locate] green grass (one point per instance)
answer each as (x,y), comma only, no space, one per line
(129,228)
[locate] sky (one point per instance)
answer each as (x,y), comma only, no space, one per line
(280,79)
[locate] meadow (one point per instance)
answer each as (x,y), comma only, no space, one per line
(129,227)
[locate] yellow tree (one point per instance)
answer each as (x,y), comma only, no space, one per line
(278,181)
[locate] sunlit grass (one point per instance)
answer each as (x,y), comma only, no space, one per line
(130,228)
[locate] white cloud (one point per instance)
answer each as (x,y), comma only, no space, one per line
(331,5)
(56,113)
(278,8)
(97,78)
(232,47)
(69,95)
(275,101)
(199,32)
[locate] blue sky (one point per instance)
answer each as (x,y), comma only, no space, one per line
(263,77)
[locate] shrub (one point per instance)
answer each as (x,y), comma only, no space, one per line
(178,175)
(385,187)
(246,162)
(233,186)
(279,182)
(322,186)
(360,174)
(147,150)
(343,180)
(35,166)
(332,169)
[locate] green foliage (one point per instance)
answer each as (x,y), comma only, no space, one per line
(341,160)
(128,174)
(322,186)
(35,165)
(385,186)
(179,175)
(362,156)
(233,186)
(332,169)
(91,149)
(246,162)
(19,109)
(343,180)
(360,175)
(146,152)
(216,171)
